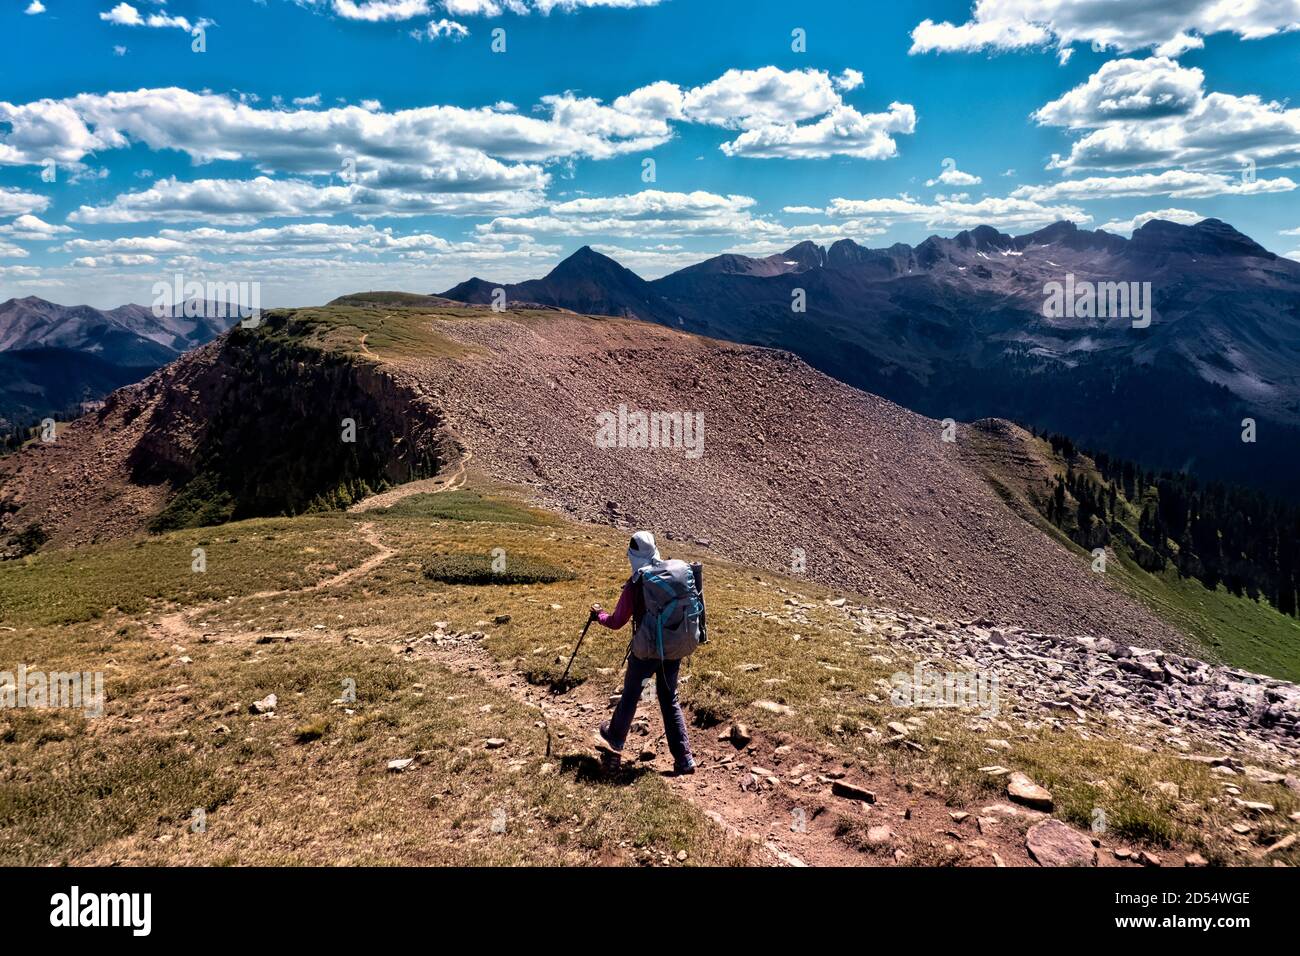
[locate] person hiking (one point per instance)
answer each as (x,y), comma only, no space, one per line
(662,600)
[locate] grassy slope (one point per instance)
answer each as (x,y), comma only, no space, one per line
(357,330)
(833,676)
(1236,630)
(309,785)
(1244,633)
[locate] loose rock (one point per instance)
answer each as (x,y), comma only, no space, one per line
(1052,843)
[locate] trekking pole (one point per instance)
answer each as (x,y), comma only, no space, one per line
(590,617)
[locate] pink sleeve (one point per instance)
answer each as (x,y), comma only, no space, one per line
(622,611)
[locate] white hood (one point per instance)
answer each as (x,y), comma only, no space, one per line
(641,550)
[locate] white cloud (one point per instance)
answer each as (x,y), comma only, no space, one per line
(952,176)
(364,161)
(654,213)
(768,105)
(1183,216)
(303,262)
(437,29)
(475,8)
(494,8)
(739,99)
(954,213)
(18,202)
(34,8)
(1178,45)
(849,79)
(651,212)
(126,15)
(451,148)
(842,132)
(28,228)
(746,99)
(1122,90)
(546,6)
(396,10)
(1153,112)
(315,238)
(1000,33)
(20,272)
(101,262)
(1170,25)
(375,11)
(315,141)
(1179,183)
(244,202)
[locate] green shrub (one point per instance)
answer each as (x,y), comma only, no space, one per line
(478,569)
(200,504)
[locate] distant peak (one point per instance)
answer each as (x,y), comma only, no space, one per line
(588,254)
(807,253)
(1057,230)
(806,246)
(1207,237)
(586,258)
(984,237)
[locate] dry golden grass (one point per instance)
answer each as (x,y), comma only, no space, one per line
(310,784)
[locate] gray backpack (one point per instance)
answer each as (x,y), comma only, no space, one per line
(670,629)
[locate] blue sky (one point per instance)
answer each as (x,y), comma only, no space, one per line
(328,146)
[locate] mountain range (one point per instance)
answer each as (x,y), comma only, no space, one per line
(55,356)
(955,328)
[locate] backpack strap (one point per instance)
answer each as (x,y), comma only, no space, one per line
(659,625)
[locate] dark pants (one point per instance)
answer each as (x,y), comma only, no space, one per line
(665,674)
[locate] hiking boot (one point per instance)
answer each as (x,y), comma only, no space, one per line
(684,769)
(602,735)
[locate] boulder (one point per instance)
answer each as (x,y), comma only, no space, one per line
(1052,843)
(1023,790)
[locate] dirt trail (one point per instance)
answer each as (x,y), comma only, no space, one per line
(777,793)
(176,626)
(426,486)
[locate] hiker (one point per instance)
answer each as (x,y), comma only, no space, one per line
(663,602)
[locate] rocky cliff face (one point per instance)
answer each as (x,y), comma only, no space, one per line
(258,426)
